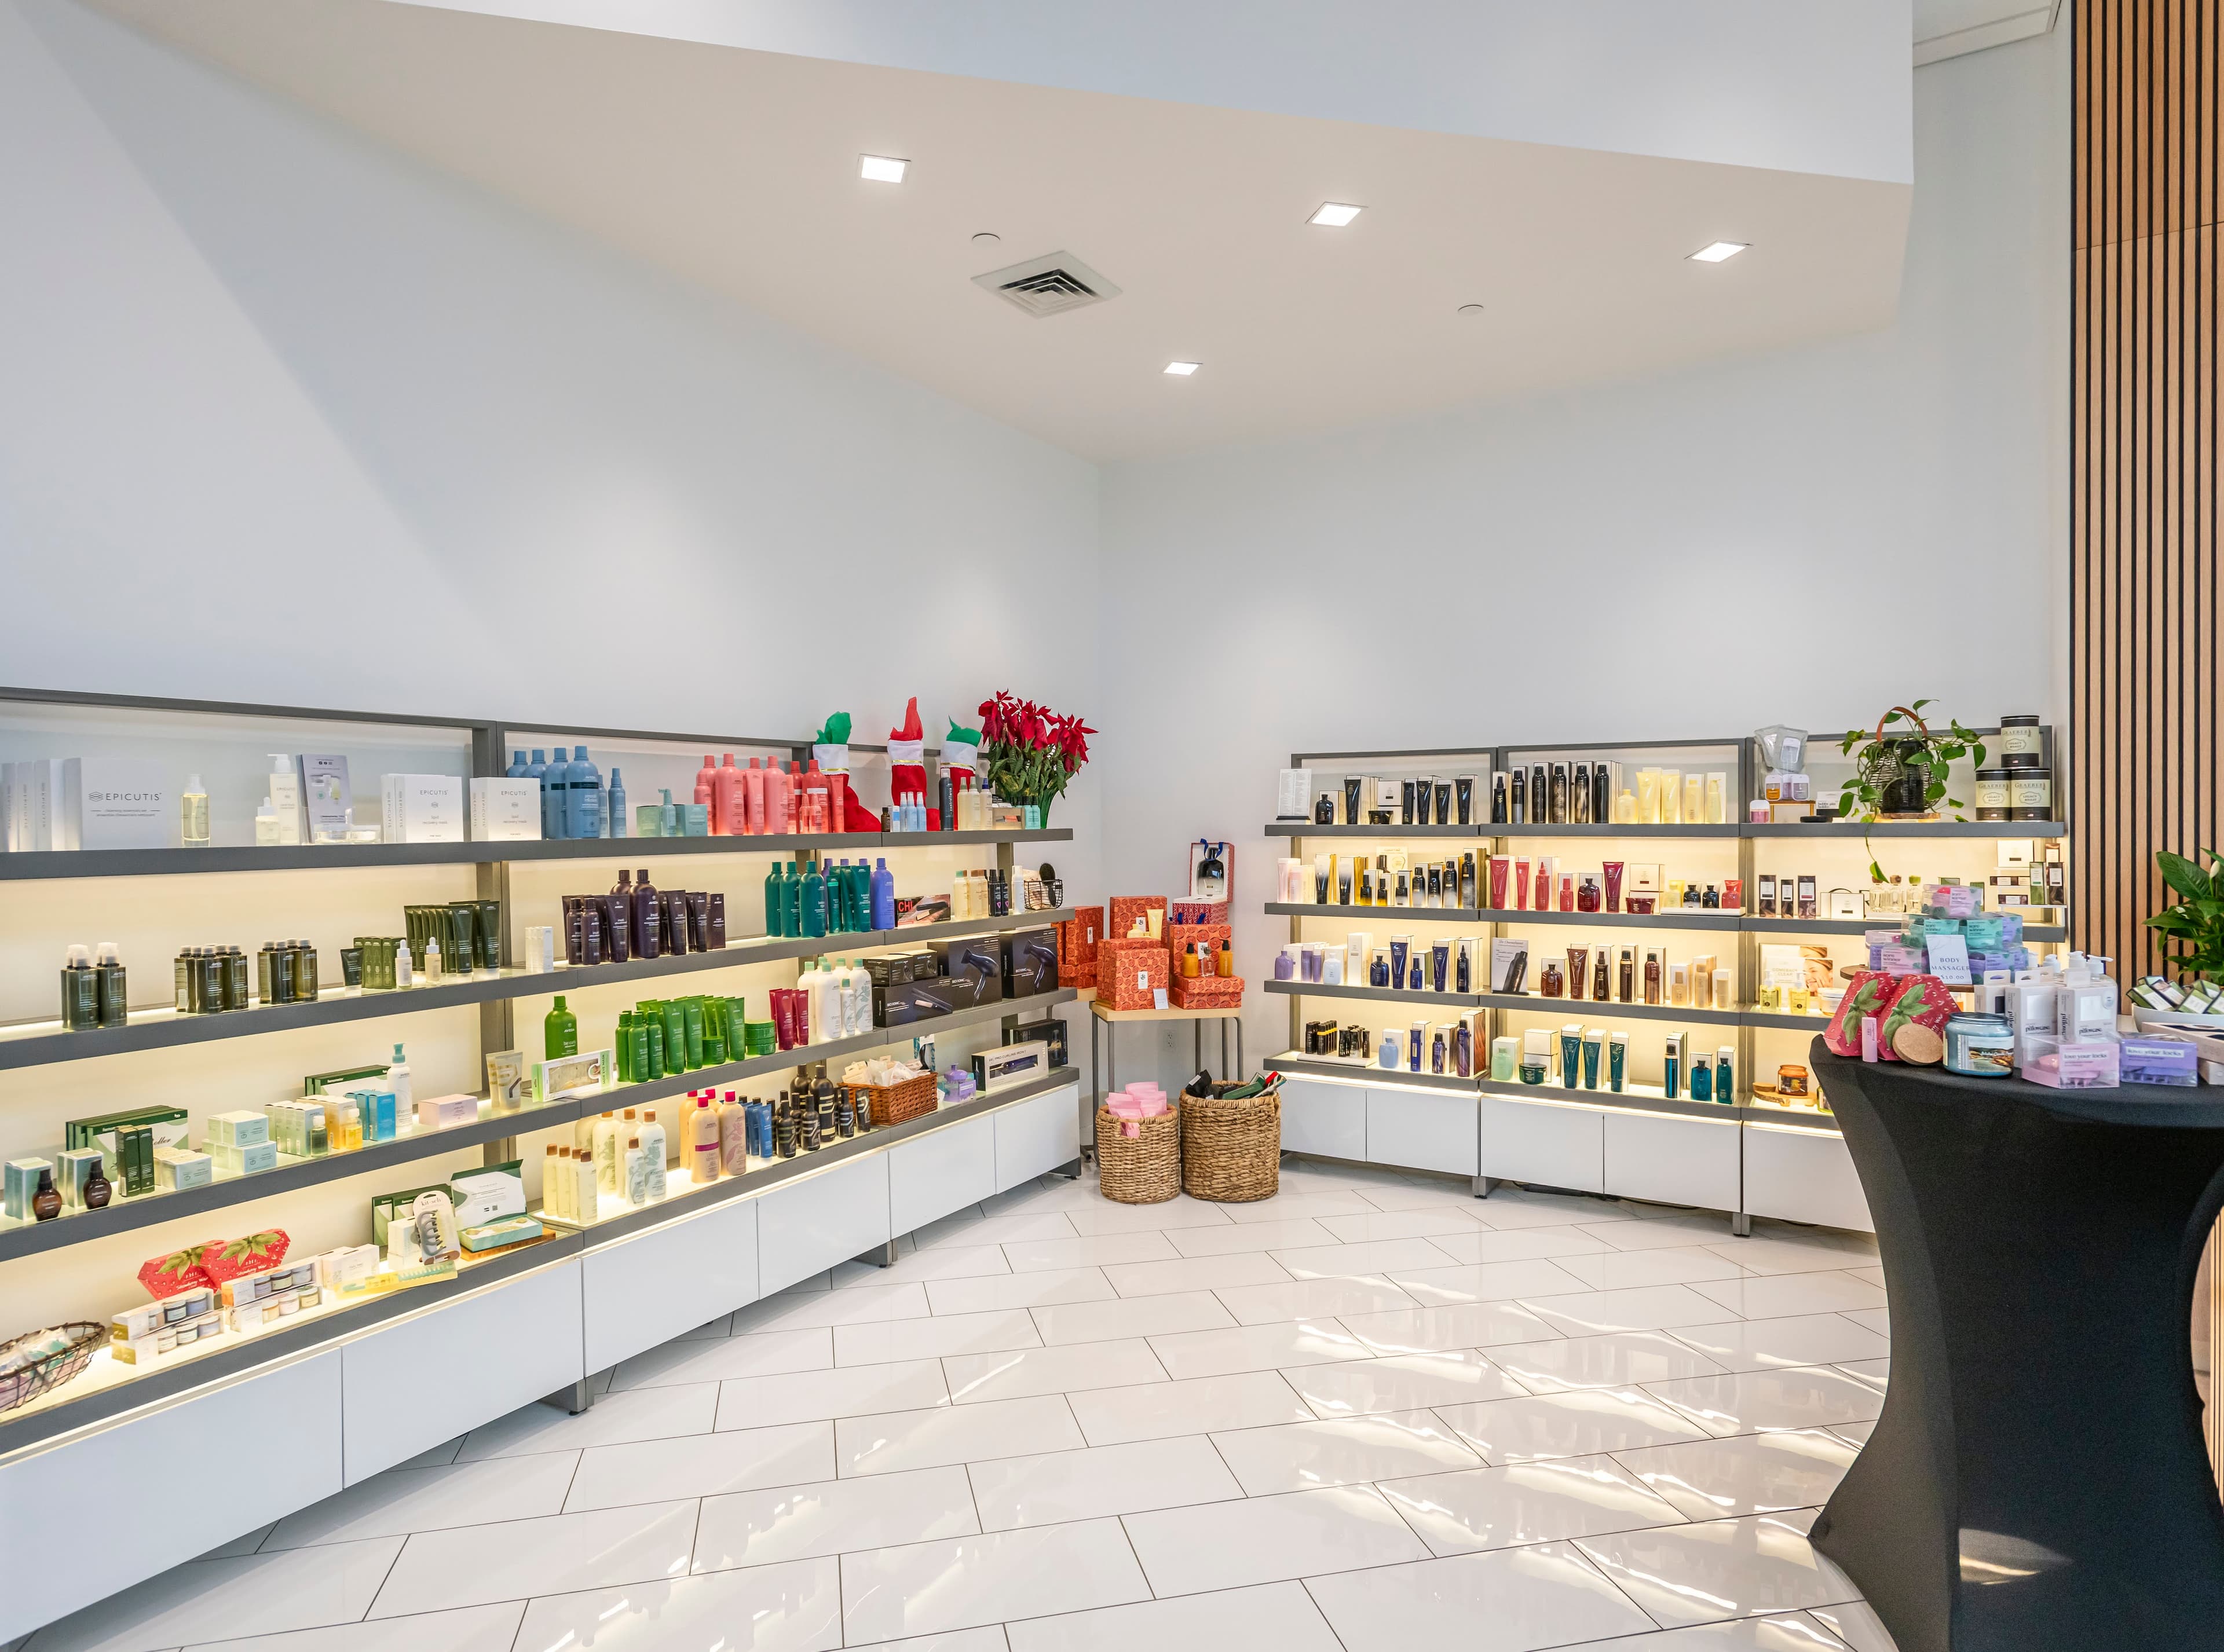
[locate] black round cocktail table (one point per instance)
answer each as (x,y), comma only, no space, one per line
(2038,1479)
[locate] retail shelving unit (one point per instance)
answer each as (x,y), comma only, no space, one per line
(337,1393)
(1747,1155)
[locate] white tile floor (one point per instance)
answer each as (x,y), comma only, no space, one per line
(1371,1413)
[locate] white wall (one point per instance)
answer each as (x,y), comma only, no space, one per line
(1805,536)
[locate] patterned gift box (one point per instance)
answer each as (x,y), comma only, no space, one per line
(1129,974)
(1186,911)
(1124,910)
(1207,992)
(1078,936)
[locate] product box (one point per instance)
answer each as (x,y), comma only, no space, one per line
(1131,974)
(1124,910)
(125,802)
(348,1266)
(509,1083)
(505,811)
(1183,912)
(446,1112)
(422,808)
(2159,1059)
(241,1129)
(176,1169)
(496,1236)
(20,1185)
(1078,936)
(44,803)
(1078,974)
(250,1160)
(1206,992)
(587,1073)
(74,1167)
(327,799)
(1030,962)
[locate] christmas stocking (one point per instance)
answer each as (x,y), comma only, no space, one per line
(907,757)
(961,753)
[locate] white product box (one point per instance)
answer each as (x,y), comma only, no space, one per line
(44,805)
(125,802)
(328,800)
(422,808)
(505,811)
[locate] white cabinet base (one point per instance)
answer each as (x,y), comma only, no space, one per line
(645,1291)
(1803,1175)
(1672,1159)
(808,1224)
(1542,1142)
(1324,1119)
(1421,1130)
(942,1171)
(1036,1137)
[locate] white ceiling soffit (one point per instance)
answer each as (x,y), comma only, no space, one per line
(1946,29)
(738,170)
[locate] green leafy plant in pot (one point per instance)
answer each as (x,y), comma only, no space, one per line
(1901,769)
(1028,752)
(2196,921)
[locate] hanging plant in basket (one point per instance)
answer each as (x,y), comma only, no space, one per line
(1028,752)
(1900,770)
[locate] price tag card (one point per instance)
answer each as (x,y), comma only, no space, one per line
(1158,995)
(1949,959)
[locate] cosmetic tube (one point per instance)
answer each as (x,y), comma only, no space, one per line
(1617,1059)
(1399,944)
(1501,868)
(1536,1055)
(1868,1038)
(1321,864)
(1670,785)
(1424,808)
(1571,1052)
(1594,1045)
(1351,799)
(1416,1042)
(1672,1066)
(1601,793)
(1521,885)
(1444,801)
(1725,1091)
(1406,803)
(1463,798)
(1613,871)
(1578,970)
(1541,794)
(1440,965)
(1343,881)
(1505,1056)
(1713,799)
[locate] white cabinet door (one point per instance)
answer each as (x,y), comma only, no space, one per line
(1325,1118)
(1541,1142)
(1421,1130)
(431,1376)
(1803,1175)
(1673,1159)
(1037,1136)
(809,1224)
(942,1171)
(81,1521)
(647,1289)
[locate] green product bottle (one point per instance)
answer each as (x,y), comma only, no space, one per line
(624,1046)
(675,1036)
(652,1030)
(791,899)
(714,1033)
(561,1032)
(637,1050)
(775,902)
(814,902)
(691,1019)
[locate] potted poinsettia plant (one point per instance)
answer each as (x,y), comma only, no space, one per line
(1028,752)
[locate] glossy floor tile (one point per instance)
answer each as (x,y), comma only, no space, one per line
(1428,1221)
(614,1419)
(1281,1616)
(1195,1273)
(1719,1569)
(1312,1298)
(1507,1601)
(403,1500)
(1792,1293)
(1279,1234)
(1581,1423)
(701,1465)
(1362,1257)
(1102,1480)
(1072,1368)
(816,1396)
(995,1230)
(792,1522)
(1131,1316)
(1857,1625)
(1527,1502)
(1648,1308)
(1625,1270)
(889,1341)
(1300,1206)
(212,1600)
(955,1583)
(1814,1251)
(945,1262)
(1432,1330)
(465,1629)
(1870,1319)
(1158,1410)
(1618,1359)
(793,1608)
(856,1305)
(1796,1397)
(1180,1211)
(765,1354)
(1656,1229)
(1479,1244)
(892,1442)
(1765,1474)
(1772,1344)
(1342,1450)
(1785,1632)
(1256,1347)
(1403,1382)
(1487,1282)
(519,1558)
(1262,1540)
(1039,1256)
(1019,1290)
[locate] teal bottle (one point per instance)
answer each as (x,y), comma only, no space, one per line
(583,798)
(861,897)
(791,898)
(814,902)
(614,808)
(538,770)
(775,903)
(555,795)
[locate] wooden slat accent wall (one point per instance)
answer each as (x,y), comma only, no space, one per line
(2144,632)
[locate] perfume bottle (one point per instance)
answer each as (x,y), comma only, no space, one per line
(1550,981)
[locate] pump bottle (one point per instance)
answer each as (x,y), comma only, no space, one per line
(621,822)
(192,814)
(583,800)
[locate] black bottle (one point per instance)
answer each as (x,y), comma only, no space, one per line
(282,961)
(115,1008)
(182,970)
(80,993)
(647,935)
(236,995)
(783,1126)
(823,1094)
(1690,894)
(304,973)
(1713,900)
(1467,881)
(1497,816)
(97,1192)
(809,1130)
(845,1113)
(1602,795)
(45,1202)
(1520,798)
(213,973)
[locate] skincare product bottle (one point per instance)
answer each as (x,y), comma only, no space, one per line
(193,814)
(1594,1047)
(1505,1056)
(553,1187)
(583,803)
(609,1168)
(1652,974)
(1702,1079)
(80,992)
(707,794)
(398,1081)
(648,924)
(560,1031)
(586,1185)
(555,793)
(653,1150)
(113,1009)
(432,966)
(1672,1066)
(1536,1055)
(1617,1059)
(266,825)
(636,1173)
(704,1155)
(1725,1066)
(1571,1052)
(614,809)
(46,1200)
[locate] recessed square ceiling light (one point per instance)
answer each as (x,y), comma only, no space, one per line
(1181,369)
(1720,250)
(881,168)
(1334,214)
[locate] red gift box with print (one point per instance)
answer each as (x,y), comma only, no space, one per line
(1131,974)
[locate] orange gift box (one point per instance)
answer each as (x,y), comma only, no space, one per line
(1130,974)
(1207,992)
(1078,936)
(1125,909)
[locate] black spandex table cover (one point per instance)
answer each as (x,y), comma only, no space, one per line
(2038,1479)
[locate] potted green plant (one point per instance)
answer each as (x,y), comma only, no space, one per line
(1901,769)
(2195,921)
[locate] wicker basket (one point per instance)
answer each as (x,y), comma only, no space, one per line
(25,1382)
(1144,1169)
(1232,1151)
(892,1104)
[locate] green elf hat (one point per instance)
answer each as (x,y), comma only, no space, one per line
(961,748)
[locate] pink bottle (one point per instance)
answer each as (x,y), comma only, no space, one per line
(706,788)
(726,800)
(778,786)
(753,786)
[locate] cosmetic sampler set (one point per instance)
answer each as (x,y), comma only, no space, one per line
(1513,883)
(1557,794)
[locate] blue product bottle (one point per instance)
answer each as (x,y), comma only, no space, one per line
(583,803)
(813,890)
(555,783)
(668,824)
(516,769)
(537,770)
(615,811)
(775,904)
(884,895)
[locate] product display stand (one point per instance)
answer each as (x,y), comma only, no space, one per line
(1112,1020)
(1745,1154)
(354,1385)
(2037,1480)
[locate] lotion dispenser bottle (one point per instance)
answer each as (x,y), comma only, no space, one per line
(884,895)
(192,814)
(555,797)
(583,800)
(266,825)
(653,1150)
(397,1080)
(621,822)
(703,1143)
(706,791)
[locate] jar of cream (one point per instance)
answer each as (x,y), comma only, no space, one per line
(1993,786)
(2018,746)
(2031,795)
(1979,1046)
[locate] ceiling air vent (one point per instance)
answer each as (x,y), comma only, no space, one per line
(1044,287)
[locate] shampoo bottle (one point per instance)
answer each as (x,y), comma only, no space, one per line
(884,895)
(813,897)
(621,822)
(706,791)
(647,930)
(286,797)
(608,1167)
(80,992)
(726,798)
(752,798)
(775,908)
(635,1172)
(192,814)
(703,1154)
(654,1148)
(555,793)
(398,1081)
(583,806)
(560,1031)
(516,769)
(109,977)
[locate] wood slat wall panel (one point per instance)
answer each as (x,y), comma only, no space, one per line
(2146,751)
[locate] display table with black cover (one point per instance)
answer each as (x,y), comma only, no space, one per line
(2038,1479)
